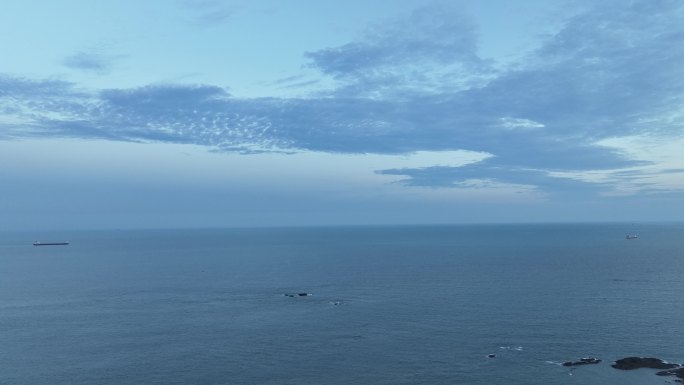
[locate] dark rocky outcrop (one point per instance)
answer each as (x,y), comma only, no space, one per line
(630,363)
(679,373)
(582,361)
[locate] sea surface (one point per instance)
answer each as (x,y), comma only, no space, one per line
(389,305)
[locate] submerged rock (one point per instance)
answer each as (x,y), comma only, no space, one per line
(582,361)
(630,363)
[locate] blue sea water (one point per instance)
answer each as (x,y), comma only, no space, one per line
(389,305)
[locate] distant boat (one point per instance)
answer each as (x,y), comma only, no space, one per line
(631,236)
(50,243)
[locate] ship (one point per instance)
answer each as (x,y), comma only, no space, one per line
(50,243)
(631,236)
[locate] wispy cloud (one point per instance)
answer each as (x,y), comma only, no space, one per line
(92,61)
(209,12)
(295,81)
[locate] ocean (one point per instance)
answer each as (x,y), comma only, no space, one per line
(388,305)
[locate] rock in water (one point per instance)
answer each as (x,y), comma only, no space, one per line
(672,372)
(582,361)
(630,363)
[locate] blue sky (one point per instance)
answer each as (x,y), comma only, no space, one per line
(204,113)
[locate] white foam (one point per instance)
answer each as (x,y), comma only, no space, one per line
(516,348)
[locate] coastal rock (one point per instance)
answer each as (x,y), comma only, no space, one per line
(679,373)
(630,363)
(582,361)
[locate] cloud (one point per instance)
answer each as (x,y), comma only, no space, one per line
(209,12)
(603,73)
(19,88)
(519,124)
(26,104)
(417,84)
(430,34)
(90,61)
(296,81)
(488,172)
(435,46)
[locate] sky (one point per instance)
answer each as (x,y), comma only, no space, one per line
(229,113)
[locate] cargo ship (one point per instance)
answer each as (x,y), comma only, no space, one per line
(50,243)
